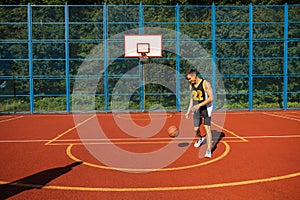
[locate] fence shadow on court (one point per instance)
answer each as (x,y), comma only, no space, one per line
(35,181)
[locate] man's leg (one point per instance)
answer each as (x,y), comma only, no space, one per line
(197,123)
(207,122)
(208,137)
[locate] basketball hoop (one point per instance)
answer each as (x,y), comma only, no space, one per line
(142,46)
(143,57)
(142,49)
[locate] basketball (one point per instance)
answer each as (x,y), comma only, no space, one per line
(173,131)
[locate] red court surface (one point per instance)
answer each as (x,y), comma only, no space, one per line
(61,156)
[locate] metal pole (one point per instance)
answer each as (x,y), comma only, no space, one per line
(177,57)
(214,53)
(250,86)
(30,58)
(141,67)
(67,58)
(106,96)
(285,66)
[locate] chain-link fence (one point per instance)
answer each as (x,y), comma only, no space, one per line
(51,54)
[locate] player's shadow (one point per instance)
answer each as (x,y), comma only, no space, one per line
(35,181)
(216,137)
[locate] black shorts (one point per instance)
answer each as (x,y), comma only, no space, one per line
(199,115)
(198,121)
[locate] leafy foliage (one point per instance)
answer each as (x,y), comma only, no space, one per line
(86,31)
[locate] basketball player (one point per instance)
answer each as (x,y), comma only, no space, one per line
(201,106)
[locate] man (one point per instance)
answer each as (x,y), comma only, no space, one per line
(201,106)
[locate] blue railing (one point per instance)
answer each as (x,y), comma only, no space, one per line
(27,45)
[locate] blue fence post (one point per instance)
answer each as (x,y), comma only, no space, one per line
(285,65)
(177,57)
(30,58)
(141,19)
(250,86)
(106,96)
(141,70)
(67,57)
(214,51)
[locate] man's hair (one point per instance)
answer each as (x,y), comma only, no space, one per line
(192,71)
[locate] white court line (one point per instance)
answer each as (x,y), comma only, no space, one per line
(232,112)
(148,139)
(14,118)
(291,115)
(281,116)
(99,140)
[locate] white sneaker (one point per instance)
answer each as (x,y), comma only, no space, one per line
(208,154)
(198,142)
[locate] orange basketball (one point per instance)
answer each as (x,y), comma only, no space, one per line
(173,131)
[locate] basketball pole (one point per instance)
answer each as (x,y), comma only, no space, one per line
(142,73)
(142,85)
(138,46)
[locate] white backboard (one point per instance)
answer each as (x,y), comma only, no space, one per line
(133,41)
